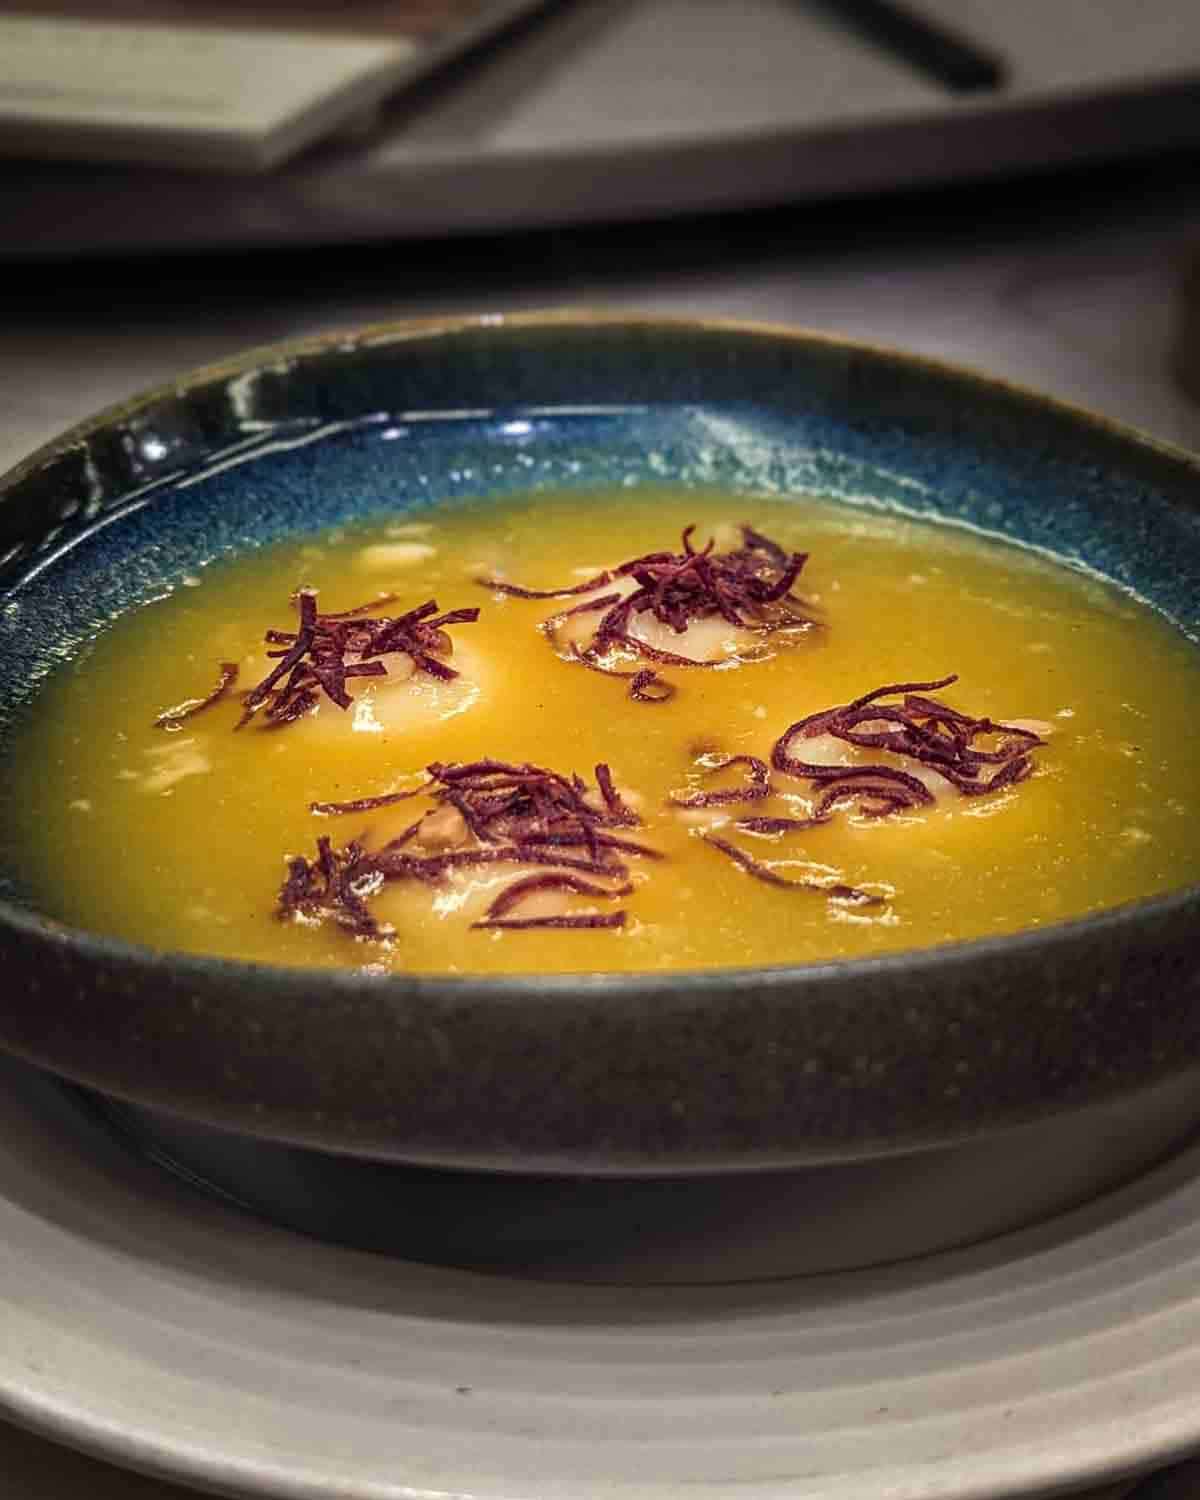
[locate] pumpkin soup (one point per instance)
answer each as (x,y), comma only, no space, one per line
(642,730)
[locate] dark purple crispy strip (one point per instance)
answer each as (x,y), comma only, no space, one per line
(648,687)
(927,731)
(515,894)
(923,729)
(171,717)
(328,649)
(645,686)
(880,783)
(778,825)
(364,804)
(393,864)
(333,885)
(584,919)
(749,586)
(757,785)
(764,873)
(518,814)
(363,609)
(612,798)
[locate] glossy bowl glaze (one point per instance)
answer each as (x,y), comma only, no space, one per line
(693,1073)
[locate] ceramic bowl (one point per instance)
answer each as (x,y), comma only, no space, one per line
(657,1074)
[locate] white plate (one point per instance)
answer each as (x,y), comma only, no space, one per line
(171,1335)
(617,110)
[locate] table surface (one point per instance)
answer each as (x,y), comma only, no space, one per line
(1080,285)
(600,110)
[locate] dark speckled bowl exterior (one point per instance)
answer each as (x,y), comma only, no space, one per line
(713,1071)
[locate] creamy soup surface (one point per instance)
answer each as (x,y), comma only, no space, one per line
(182,833)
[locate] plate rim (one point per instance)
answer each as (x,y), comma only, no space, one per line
(1163,1431)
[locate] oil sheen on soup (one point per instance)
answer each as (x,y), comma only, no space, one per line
(636,731)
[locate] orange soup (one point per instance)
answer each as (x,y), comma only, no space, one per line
(684,730)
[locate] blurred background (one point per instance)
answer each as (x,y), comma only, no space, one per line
(1013,186)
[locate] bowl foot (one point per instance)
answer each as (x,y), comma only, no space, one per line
(754,1225)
